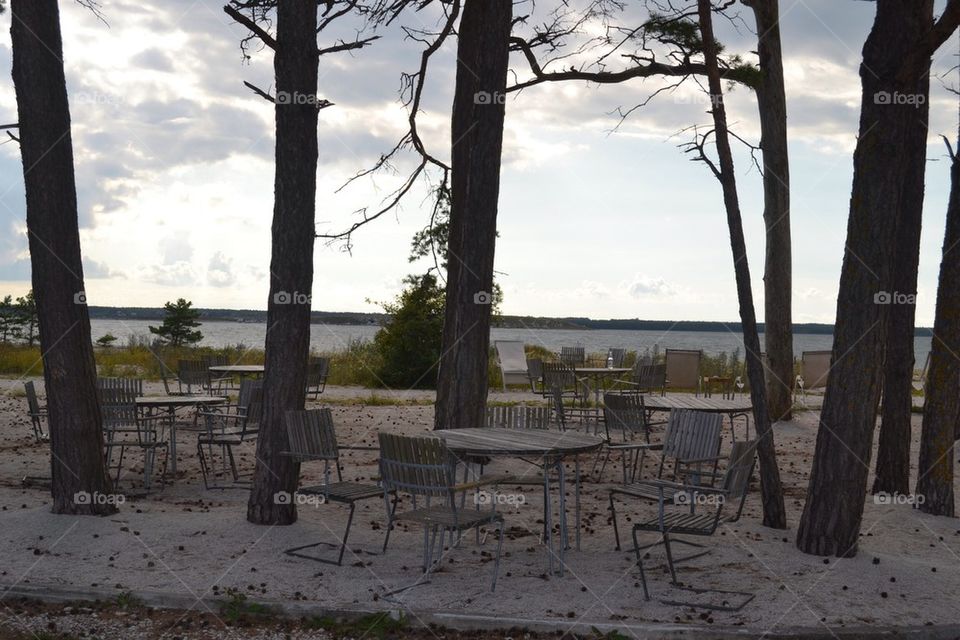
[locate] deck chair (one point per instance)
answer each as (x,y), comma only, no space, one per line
(814,368)
(311,436)
(424,469)
(535,376)
(124,428)
(573,356)
(512,361)
(691,444)
(228,430)
(36,411)
(627,432)
(686,521)
(615,357)
(683,369)
(645,378)
(318,369)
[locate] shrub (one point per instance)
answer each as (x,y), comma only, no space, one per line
(409,344)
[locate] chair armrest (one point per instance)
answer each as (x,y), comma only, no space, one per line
(634,445)
(481,482)
(698,460)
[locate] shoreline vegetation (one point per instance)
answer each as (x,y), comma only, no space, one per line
(504,321)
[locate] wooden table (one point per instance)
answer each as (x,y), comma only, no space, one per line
(238,369)
(731,407)
(171,404)
(550,446)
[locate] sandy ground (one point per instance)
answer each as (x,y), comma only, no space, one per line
(191,541)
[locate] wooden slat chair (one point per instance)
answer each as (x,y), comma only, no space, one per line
(311,436)
(535,376)
(171,384)
(228,430)
(685,521)
(566,416)
(216,383)
(192,376)
(424,469)
(518,417)
(318,370)
(691,444)
(36,411)
(557,375)
(627,432)
(133,385)
(124,427)
(573,356)
(646,378)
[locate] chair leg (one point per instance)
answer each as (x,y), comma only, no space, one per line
(496,562)
(643,576)
(295,551)
(391,509)
(666,545)
(203,465)
(616,530)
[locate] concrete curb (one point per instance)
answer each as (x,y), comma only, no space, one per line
(465,622)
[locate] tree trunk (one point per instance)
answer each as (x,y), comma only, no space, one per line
(893,454)
(477,139)
(291,263)
(942,403)
(890,126)
(76,434)
(778,268)
(774,513)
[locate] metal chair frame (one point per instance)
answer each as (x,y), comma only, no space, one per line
(246,424)
(122,418)
(36,411)
(318,370)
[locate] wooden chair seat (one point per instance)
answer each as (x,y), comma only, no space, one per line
(684,523)
(343,491)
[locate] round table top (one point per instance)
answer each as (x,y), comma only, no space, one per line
(709,405)
(179,401)
(517,442)
(237,368)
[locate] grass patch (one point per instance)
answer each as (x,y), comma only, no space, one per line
(238,606)
(376,625)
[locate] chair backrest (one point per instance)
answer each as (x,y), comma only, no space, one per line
(119,407)
(192,372)
(625,412)
(814,368)
(651,376)
(618,356)
(512,357)
(572,356)
(683,368)
(245,396)
(134,385)
(318,368)
(534,368)
(33,404)
(558,375)
(217,360)
(254,410)
(417,466)
(311,435)
(736,479)
(518,417)
(692,435)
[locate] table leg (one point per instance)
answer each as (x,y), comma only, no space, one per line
(561,481)
(547,519)
(576,509)
(173,444)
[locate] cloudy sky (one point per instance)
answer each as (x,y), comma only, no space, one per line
(174,161)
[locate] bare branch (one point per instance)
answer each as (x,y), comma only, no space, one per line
(347,46)
(260,92)
(250,24)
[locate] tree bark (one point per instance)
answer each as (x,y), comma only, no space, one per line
(477,141)
(778,267)
(774,513)
(889,126)
(941,401)
(291,263)
(893,453)
(76,432)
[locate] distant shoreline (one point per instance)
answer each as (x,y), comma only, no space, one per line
(508,322)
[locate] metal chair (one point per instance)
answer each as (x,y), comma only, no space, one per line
(124,427)
(732,490)
(557,375)
(311,436)
(625,414)
(318,369)
(692,444)
(646,378)
(36,411)
(573,356)
(424,469)
(228,430)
